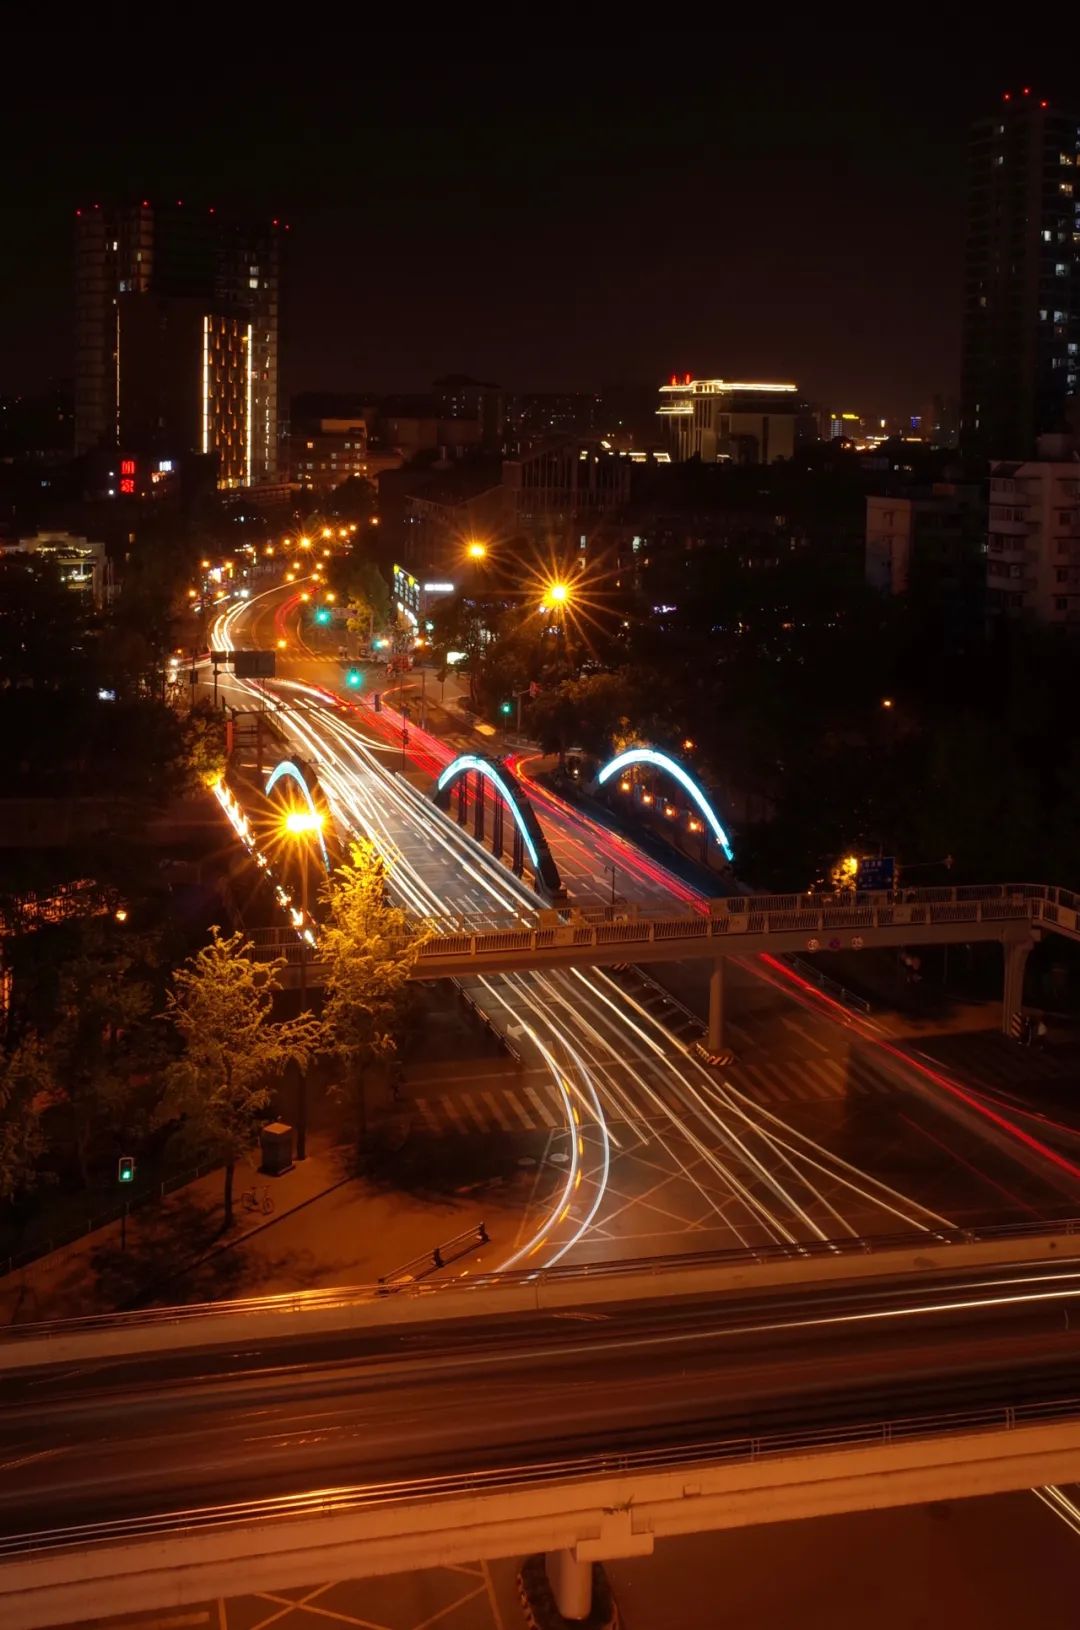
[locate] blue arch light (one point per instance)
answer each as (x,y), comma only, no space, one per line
(468,761)
(287,770)
(649,755)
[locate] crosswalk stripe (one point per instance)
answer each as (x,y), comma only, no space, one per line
(473,1112)
(766,1089)
(521,1112)
(430,1120)
(452,1114)
(496,1111)
(818,1071)
(541,1109)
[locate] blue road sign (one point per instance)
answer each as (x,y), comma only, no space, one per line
(876,875)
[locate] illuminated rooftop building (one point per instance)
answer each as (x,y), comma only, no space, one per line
(177,336)
(720,420)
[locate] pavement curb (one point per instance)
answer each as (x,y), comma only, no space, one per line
(223,1245)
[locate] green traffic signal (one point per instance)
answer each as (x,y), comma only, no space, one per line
(125,1171)
(506,707)
(323,614)
(354,678)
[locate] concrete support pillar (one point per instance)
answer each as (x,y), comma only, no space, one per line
(518,863)
(716,1007)
(462,797)
(1016,955)
(571,1583)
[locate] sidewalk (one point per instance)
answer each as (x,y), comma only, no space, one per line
(327,1229)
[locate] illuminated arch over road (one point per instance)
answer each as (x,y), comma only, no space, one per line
(507,786)
(288,770)
(672,767)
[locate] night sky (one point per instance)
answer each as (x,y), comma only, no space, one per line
(590,210)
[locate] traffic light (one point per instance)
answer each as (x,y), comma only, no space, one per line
(376,702)
(354,678)
(506,708)
(125,1169)
(323,614)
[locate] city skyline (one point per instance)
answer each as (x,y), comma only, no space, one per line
(736,222)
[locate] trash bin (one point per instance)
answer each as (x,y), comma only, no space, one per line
(277,1142)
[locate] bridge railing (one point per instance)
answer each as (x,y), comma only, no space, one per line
(475,1483)
(810,915)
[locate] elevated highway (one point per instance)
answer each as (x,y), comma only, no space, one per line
(146,1480)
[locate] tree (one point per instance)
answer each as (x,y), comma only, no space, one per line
(24,1079)
(370,948)
(593,712)
(204,742)
(358,579)
(221,1005)
(86,988)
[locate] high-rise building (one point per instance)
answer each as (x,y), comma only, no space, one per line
(177,337)
(719,419)
(1022,288)
(1033,543)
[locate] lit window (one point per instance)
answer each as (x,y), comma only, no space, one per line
(1066,187)
(1061,269)
(1048,236)
(253,282)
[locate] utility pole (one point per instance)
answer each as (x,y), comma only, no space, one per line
(301,1103)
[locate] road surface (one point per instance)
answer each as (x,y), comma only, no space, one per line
(820,1126)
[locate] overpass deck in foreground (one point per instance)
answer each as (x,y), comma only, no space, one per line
(944,1372)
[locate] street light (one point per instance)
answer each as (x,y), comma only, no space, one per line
(477,550)
(299,824)
(298,821)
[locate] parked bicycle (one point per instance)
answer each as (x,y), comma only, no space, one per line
(257,1199)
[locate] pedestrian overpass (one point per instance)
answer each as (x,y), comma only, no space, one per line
(1015,915)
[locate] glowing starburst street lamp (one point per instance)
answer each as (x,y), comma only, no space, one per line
(476,550)
(299,821)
